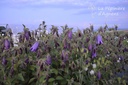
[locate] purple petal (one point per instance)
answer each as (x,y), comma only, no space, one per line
(27,60)
(26,35)
(90,47)
(4,61)
(48,60)
(99,39)
(34,47)
(70,34)
(99,75)
(94,53)
(6,44)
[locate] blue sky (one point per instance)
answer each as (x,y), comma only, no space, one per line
(75,13)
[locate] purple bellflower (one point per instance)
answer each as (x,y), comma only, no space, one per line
(121,58)
(4,61)
(94,53)
(34,47)
(27,60)
(6,44)
(64,56)
(87,39)
(86,61)
(125,50)
(48,60)
(99,75)
(27,36)
(90,47)
(12,71)
(70,34)
(99,39)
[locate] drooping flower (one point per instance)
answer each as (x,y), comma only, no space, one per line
(64,56)
(87,39)
(125,50)
(68,45)
(27,60)
(20,38)
(38,53)
(48,60)
(73,65)
(4,61)
(56,44)
(121,58)
(12,70)
(7,44)
(90,47)
(34,47)
(99,75)
(20,50)
(94,53)
(85,50)
(65,43)
(86,61)
(70,34)
(63,65)
(26,35)
(99,39)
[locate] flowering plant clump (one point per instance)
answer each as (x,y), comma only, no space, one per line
(83,57)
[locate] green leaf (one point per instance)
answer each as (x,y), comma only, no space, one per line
(32,67)
(54,71)
(20,77)
(124,82)
(51,80)
(59,78)
(42,79)
(63,82)
(119,80)
(32,79)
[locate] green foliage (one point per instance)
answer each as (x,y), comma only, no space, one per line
(65,59)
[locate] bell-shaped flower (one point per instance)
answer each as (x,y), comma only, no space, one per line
(99,75)
(125,50)
(26,60)
(65,44)
(34,47)
(86,62)
(64,56)
(87,39)
(90,47)
(7,44)
(94,53)
(121,58)
(20,38)
(27,36)
(12,70)
(99,39)
(48,60)
(70,34)
(4,61)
